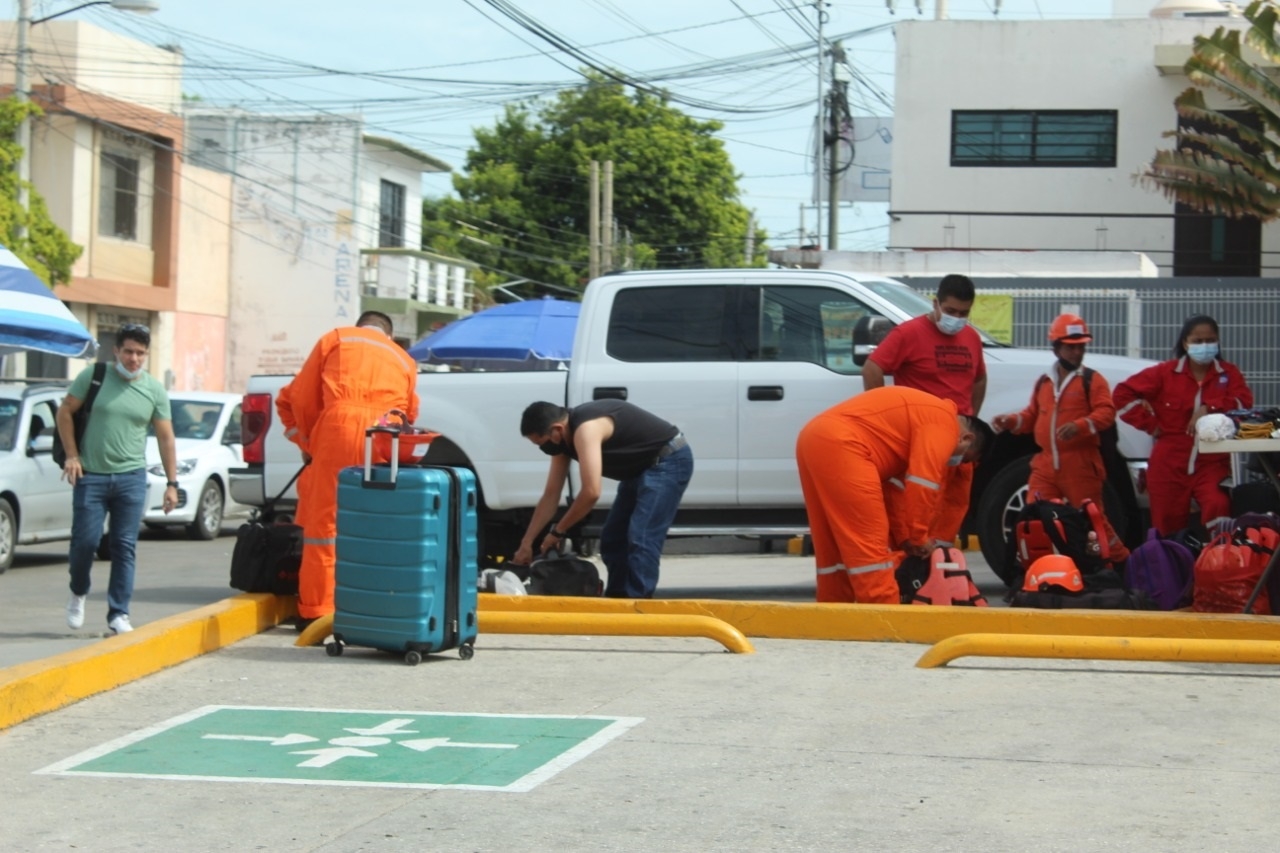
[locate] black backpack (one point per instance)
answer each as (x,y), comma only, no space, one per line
(81,417)
(564,574)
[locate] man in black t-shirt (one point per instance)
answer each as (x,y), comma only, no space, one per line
(648,457)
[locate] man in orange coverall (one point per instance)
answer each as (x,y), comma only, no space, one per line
(1067,417)
(354,376)
(847,454)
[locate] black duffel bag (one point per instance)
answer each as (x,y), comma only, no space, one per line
(564,574)
(267,558)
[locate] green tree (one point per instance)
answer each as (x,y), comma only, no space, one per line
(45,247)
(523,203)
(1222,164)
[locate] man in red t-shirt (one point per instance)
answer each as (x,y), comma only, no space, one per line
(941,354)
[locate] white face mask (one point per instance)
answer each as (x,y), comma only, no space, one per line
(1202,353)
(949,325)
(955,460)
(126,373)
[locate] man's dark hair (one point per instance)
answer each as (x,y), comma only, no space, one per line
(956,286)
(984,436)
(538,418)
(1180,345)
(376,317)
(135,332)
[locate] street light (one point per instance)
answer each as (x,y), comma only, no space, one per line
(21,84)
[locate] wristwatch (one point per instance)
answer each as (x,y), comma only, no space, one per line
(555,533)
(171,484)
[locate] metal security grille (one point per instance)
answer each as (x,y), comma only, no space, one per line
(1142,317)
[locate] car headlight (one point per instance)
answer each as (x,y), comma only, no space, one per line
(185,466)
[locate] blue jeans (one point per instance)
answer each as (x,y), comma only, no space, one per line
(124,497)
(636,527)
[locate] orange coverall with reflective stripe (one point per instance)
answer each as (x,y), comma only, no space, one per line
(845,456)
(352,377)
(1074,469)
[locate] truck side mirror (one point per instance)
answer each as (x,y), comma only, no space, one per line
(869,331)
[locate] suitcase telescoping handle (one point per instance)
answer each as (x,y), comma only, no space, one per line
(368,481)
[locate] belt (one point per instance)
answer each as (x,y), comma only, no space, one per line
(677,443)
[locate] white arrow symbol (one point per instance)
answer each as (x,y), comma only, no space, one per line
(325,757)
(390,727)
(286,740)
(423,744)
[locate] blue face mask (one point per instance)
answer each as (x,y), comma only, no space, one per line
(126,373)
(1202,353)
(949,325)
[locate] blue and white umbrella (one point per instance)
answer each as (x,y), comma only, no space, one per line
(32,318)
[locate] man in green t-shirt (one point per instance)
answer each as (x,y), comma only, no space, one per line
(108,469)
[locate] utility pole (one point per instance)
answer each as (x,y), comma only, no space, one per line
(838,108)
(21,85)
(751,239)
(606,221)
(817,160)
(593,223)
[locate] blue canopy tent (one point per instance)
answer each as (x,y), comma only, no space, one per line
(32,318)
(532,335)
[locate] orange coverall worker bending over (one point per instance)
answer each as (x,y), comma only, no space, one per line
(846,455)
(354,375)
(1067,420)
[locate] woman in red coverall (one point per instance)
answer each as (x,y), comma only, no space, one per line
(1166,401)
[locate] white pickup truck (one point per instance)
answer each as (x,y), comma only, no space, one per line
(740,360)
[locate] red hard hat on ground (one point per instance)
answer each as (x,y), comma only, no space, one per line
(1069,329)
(1053,570)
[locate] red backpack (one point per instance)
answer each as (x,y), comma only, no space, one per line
(941,579)
(1229,568)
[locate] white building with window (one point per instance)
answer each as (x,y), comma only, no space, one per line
(326,222)
(1028,134)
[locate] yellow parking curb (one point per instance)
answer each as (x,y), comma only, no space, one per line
(30,689)
(1101,648)
(615,624)
(905,623)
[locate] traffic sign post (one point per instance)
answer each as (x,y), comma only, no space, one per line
(396,749)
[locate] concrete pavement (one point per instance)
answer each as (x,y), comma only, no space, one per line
(804,745)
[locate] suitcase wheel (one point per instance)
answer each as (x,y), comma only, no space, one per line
(466,651)
(334,648)
(413,657)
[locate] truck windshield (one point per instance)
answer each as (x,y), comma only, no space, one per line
(912,302)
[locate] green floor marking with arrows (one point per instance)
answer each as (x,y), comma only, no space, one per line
(397,749)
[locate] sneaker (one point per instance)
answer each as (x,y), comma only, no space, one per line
(75,610)
(120,624)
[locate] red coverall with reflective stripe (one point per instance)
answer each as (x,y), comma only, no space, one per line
(1163,397)
(352,377)
(1072,469)
(845,456)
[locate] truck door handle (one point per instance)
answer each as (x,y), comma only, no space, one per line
(764,392)
(609,394)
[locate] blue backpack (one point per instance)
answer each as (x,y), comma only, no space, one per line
(1161,568)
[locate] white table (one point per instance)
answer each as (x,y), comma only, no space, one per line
(1237,446)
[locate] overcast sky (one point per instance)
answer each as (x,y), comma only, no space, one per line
(447,66)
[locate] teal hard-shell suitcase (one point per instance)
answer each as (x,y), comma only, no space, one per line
(407,560)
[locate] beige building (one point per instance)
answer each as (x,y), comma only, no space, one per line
(107,157)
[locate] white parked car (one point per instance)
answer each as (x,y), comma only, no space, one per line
(35,502)
(206,425)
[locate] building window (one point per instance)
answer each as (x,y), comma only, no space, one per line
(391,216)
(1033,138)
(118,196)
